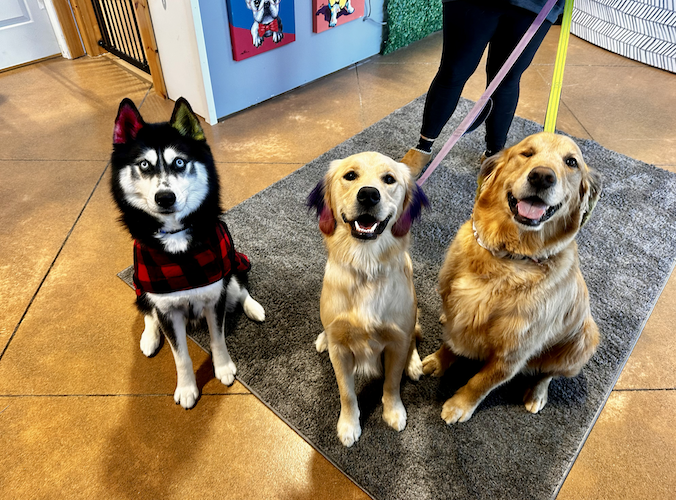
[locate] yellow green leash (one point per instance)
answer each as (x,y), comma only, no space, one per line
(559,65)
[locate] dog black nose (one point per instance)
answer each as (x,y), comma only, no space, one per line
(542,177)
(368,196)
(165,199)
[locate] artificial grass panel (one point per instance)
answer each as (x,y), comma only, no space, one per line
(410,20)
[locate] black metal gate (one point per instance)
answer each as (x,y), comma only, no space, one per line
(119,31)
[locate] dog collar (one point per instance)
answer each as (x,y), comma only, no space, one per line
(503,254)
(162,232)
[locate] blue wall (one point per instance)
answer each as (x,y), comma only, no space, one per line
(238,85)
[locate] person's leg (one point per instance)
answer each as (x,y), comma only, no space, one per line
(467,30)
(511,28)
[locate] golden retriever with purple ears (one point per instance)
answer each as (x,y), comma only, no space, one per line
(368,306)
(512,291)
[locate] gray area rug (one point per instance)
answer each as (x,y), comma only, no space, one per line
(627,251)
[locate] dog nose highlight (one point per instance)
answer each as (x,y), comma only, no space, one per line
(165,199)
(542,177)
(368,196)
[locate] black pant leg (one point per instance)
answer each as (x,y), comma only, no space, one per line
(467,30)
(511,28)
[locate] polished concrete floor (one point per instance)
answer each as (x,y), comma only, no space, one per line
(83,414)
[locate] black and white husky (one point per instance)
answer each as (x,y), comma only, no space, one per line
(185,265)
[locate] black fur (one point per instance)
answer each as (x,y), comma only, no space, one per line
(132,138)
(142,225)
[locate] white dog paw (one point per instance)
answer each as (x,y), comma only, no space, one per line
(456,410)
(186,395)
(322,343)
(535,400)
(277,36)
(253,310)
(225,372)
(414,369)
(348,431)
(150,341)
(395,416)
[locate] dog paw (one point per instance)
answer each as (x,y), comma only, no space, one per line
(534,399)
(150,342)
(456,410)
(186,396)
(395,416)
(226,372)
(277,37)
(321,344)
(414,369)
(253,310)
(432,366)
(349,431)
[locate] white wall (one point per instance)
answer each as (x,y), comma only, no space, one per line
(177,45)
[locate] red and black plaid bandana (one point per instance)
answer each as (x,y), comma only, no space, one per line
(157,271)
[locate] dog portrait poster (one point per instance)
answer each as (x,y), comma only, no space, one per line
(257,26)
(330,13)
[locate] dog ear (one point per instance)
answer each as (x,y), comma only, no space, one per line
(127,123)
(413,204)
(487,168)
(317,199)
(590,190)
(185,121)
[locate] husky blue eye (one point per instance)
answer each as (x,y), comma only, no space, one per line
(389,179)
(144,165)
(179,163)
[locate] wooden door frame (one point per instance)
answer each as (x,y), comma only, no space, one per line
(69,28)
(145,25)
(90,34)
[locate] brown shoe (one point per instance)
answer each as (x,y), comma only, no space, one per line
(416,160)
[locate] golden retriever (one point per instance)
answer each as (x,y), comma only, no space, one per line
(512,291)
(368,306)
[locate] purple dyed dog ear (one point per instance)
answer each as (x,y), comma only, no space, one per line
(316,200)
(412,212)
(127,123)
(327,222)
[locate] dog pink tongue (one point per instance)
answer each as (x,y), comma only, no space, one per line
(533,211)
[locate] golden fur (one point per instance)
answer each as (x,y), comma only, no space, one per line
(513,294)
(368,304)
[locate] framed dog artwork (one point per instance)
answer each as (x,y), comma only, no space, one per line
(330,13)
(257,26)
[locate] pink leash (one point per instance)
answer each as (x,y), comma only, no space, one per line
(483,100)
